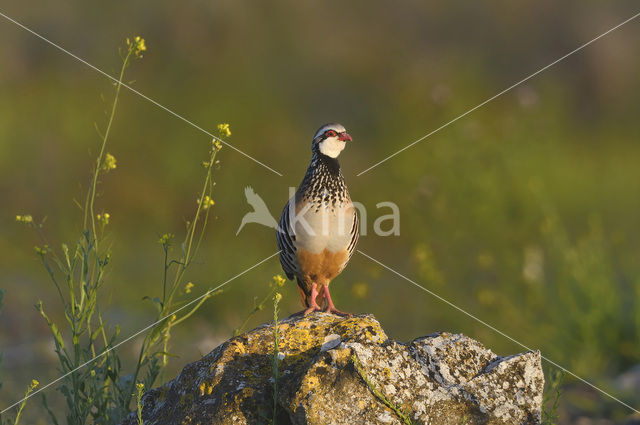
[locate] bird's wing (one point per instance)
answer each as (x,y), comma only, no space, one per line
(284,238)
(355,233)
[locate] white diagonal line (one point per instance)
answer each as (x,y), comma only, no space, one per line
(130,337)
(501,93)
(496,330)
(138,93)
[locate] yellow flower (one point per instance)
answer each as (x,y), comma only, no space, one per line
(217,145)
(103,218)
(109,162)
(137,46)
(224,130)
(278,297)
(41,251)
(207,202)
(140,44)
(279,280)
(188,287)
(26,219)
(166,239)
(140,386)
(34,383)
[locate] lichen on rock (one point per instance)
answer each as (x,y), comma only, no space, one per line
(438,379)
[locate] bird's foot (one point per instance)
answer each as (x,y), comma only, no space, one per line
(330,308)
(307,311)
(311,309)
(333,310)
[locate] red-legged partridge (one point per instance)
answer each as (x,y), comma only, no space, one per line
(318,228)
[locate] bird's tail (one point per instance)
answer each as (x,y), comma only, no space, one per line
(304,289)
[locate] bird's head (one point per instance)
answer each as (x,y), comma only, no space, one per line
(330,140)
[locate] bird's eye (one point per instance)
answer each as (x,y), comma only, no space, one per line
(330,133)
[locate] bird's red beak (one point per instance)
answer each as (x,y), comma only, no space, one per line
(344,137)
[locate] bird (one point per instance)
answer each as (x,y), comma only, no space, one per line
(318,228)
(260,213)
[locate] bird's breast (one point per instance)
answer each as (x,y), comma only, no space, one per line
(323,226)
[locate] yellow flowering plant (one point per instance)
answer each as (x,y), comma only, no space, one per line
(101,393)
(188,287)
(155,347)
(32,386)
(224,130)
(92,394)
(276,283)
(25,219)
(206,203)
(138,395)
(136,46)
(103,218)
(109,162)
(275,357)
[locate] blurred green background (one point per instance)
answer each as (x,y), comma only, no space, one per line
(524,213)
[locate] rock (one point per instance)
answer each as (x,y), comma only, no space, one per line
(336,370)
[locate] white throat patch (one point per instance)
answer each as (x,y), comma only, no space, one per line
(331,147)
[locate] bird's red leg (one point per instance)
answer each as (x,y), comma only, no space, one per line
(330,308)
(313,305)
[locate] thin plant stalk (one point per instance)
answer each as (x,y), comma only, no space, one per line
(30,388)
(276,355)
(404,416)
(189,250)
(277,282)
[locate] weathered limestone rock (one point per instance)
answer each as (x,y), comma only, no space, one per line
(325,364)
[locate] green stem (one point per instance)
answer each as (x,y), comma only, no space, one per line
(92,191)
(188,242)
(378,394)
(167,300)
(195,308)
(46,263)
(24,402)
(89,211)
(237,331)
(275,360)
(164,275)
